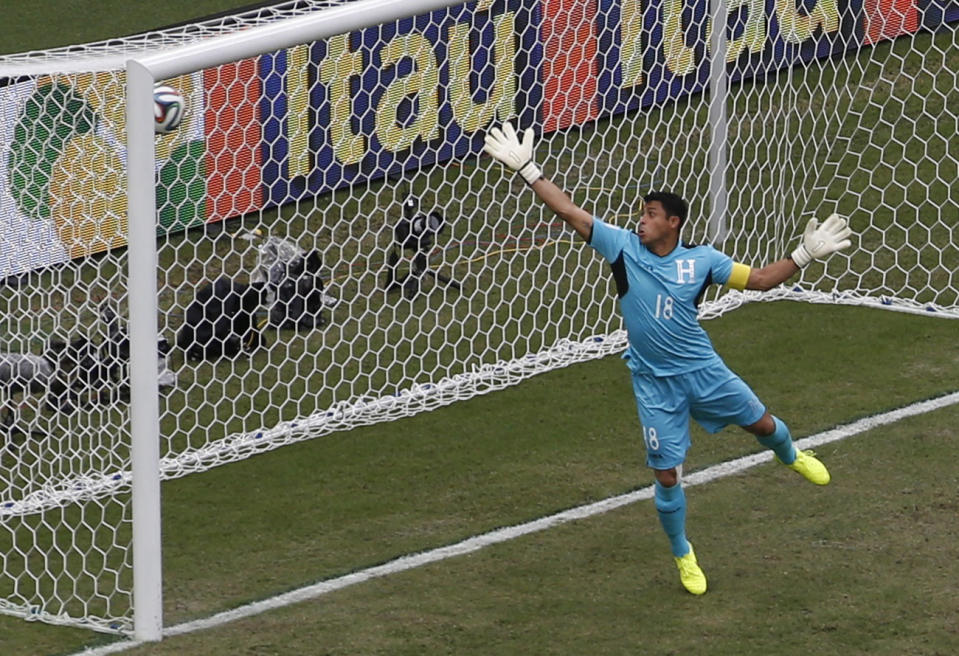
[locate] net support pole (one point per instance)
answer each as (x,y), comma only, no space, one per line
(718,91)
(144,389)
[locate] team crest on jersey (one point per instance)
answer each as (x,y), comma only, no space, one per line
(685,271)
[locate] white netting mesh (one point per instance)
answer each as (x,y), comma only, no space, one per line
(368,264)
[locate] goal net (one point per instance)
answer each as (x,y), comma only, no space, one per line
(333,250)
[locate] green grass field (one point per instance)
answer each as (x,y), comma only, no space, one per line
(874,553)
(864,566)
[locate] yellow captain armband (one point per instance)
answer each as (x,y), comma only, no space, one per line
(739,276)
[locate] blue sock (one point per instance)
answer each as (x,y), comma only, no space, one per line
(781,442)
(671,506)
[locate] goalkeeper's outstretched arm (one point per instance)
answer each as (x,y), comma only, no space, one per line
(770,275)
(557,200)
(818,243)
(505,146)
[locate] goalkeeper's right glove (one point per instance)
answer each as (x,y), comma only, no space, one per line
(504,145)
(820,241)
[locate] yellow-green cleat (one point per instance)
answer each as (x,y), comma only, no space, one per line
(690,574)
(810,467)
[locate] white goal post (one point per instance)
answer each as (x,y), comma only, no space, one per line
(351,132)
(142,74)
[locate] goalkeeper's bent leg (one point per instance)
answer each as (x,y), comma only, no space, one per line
(804,462)
(780,441)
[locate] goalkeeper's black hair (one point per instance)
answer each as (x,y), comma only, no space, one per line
(672,203)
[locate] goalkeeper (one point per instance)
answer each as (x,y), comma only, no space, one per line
(676,372)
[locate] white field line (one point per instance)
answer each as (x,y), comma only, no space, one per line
(478,542)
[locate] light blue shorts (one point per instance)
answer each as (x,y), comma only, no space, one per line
(714,396)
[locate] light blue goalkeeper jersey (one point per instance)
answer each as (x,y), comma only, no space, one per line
(658,298)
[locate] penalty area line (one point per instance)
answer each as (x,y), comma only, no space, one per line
(505,534)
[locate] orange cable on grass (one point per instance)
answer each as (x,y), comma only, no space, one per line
(502,251)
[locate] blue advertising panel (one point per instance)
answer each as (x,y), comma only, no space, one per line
(764,36)
(388,99)
(397,97)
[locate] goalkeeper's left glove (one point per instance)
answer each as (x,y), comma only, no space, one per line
(820,241)
(504,145)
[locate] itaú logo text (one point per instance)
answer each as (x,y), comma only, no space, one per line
(678,52)
(413,62)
